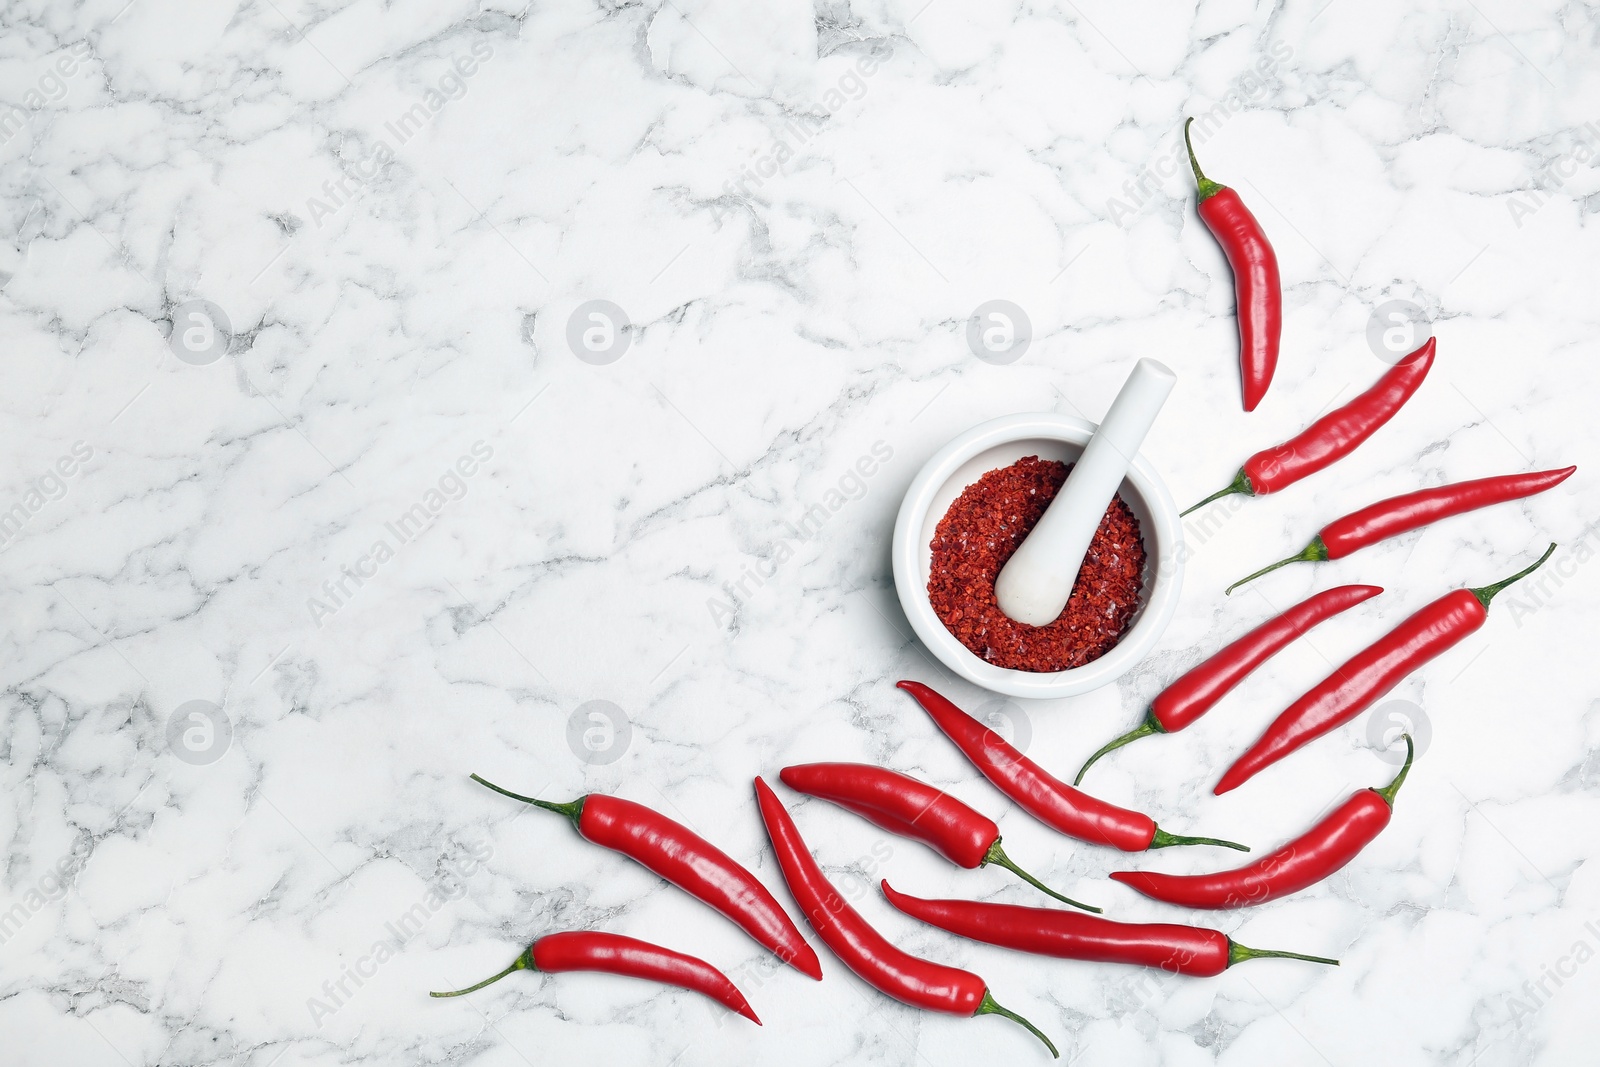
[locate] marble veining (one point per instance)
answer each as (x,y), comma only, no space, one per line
(397,391)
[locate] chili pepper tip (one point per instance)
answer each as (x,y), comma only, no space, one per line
(990,1007)
(807,965)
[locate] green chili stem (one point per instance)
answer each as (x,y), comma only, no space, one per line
(1207,187)
(1238,953)
(997,856)
(1388,791)
(1144,729)
(523,962)
(1315,552)
(1486,593)
(1240,484)
(572,810)
(1165,840)
(990,1007)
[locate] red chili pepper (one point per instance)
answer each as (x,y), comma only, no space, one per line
(908,979)
(1369,674)
(905,806)
(627,956)
(1198,691)
(1052,932)
(1333,436)
(1398,514)
(1305,861)
(688,861)
(1040,793)
(1258,292)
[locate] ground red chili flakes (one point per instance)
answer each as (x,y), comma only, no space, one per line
(977,535)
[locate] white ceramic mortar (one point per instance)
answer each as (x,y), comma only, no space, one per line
(999,443)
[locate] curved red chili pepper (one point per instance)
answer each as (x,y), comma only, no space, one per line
(1369,674)
(1333,436)
(1398,514)
(908,979)
(1041,794)
(902,805)
(1305,861)
(1198,691)
(1052,932)
(688,861)
(1258,292)
(627,956)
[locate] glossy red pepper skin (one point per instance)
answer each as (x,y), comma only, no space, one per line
(1400,514)
(910,980)
(690,862)
(896,973)
(1339,432)
(1199,690)
(1397,515)
(1258,291)
(1303,862)
(1333,436)
(1368,675)
(1067,935)
(613,954)
(902,805)
(1042,795)
(626,956)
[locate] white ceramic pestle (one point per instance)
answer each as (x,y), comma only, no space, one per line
(1037,580)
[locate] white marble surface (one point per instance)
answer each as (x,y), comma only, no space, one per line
(400,290)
